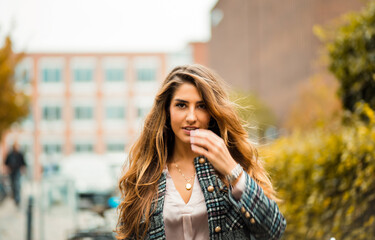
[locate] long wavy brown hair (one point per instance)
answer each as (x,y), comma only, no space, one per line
(149,154)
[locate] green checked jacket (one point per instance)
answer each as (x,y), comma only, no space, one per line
(254,216)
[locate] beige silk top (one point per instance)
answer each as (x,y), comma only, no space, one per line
(187,221)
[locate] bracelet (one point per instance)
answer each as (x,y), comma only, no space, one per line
(235,173)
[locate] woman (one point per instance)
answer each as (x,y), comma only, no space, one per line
(193,173)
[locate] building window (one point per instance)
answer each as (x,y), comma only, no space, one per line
(83,75)
(26,76)
(29,117)
(115,147)
(50,149)
(26,148)
(83,113)
(51,75)
(23,76)
(84,148)
(115,112)
(146,74)
(23,73)
(114,75)
(216,16)
(51,113)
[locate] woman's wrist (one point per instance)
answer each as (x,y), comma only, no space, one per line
(233,183)
(234,174)
(229,167)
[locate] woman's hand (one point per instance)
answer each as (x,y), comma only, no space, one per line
(208,144)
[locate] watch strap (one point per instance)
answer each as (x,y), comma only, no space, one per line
(234,174)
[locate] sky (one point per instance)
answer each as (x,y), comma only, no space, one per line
(102,26)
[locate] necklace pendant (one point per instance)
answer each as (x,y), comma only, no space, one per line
(188,186)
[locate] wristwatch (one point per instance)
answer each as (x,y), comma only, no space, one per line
(234,174)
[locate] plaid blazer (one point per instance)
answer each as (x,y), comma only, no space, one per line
(254,216)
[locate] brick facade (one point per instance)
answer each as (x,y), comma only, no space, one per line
(268,47)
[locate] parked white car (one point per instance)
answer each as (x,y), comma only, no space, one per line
(95,176)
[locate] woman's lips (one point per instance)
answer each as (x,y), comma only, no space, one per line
(188,130)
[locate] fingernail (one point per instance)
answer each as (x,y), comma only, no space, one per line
(192,147)
(191,139)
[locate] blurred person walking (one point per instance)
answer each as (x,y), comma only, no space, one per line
(15,162)
(193,174)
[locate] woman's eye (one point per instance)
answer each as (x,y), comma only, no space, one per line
(202,106)
(180,105)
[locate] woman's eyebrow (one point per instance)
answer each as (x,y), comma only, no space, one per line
(180,100)
(184,101)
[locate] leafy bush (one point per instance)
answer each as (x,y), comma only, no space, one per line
(351,50)
(327,180)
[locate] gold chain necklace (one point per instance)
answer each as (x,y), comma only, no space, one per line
(188,180)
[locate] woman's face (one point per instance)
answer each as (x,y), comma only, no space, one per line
(187,112)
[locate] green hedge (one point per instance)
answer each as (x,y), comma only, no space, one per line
(351,49)
(327,180)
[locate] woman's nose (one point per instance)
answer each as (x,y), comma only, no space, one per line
(191,116)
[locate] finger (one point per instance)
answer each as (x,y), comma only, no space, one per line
(205,138)
(201,142)
(214,144)
(204,133)
(200,150)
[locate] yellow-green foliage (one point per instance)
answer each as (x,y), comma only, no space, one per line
(14,104)
(351,50)
(327,180)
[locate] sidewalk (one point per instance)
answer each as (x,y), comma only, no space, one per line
(12,221)
(55,222)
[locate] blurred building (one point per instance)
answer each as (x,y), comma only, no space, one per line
(88,102)
(268,47)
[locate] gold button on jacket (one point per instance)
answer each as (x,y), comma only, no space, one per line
(217,229)
(247,215)
(210,188)
(202,160)
(243,210)
(252,220)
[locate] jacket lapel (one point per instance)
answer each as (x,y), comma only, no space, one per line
(216,205)
(156,229)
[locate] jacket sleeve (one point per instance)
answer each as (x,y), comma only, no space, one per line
(260,214)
